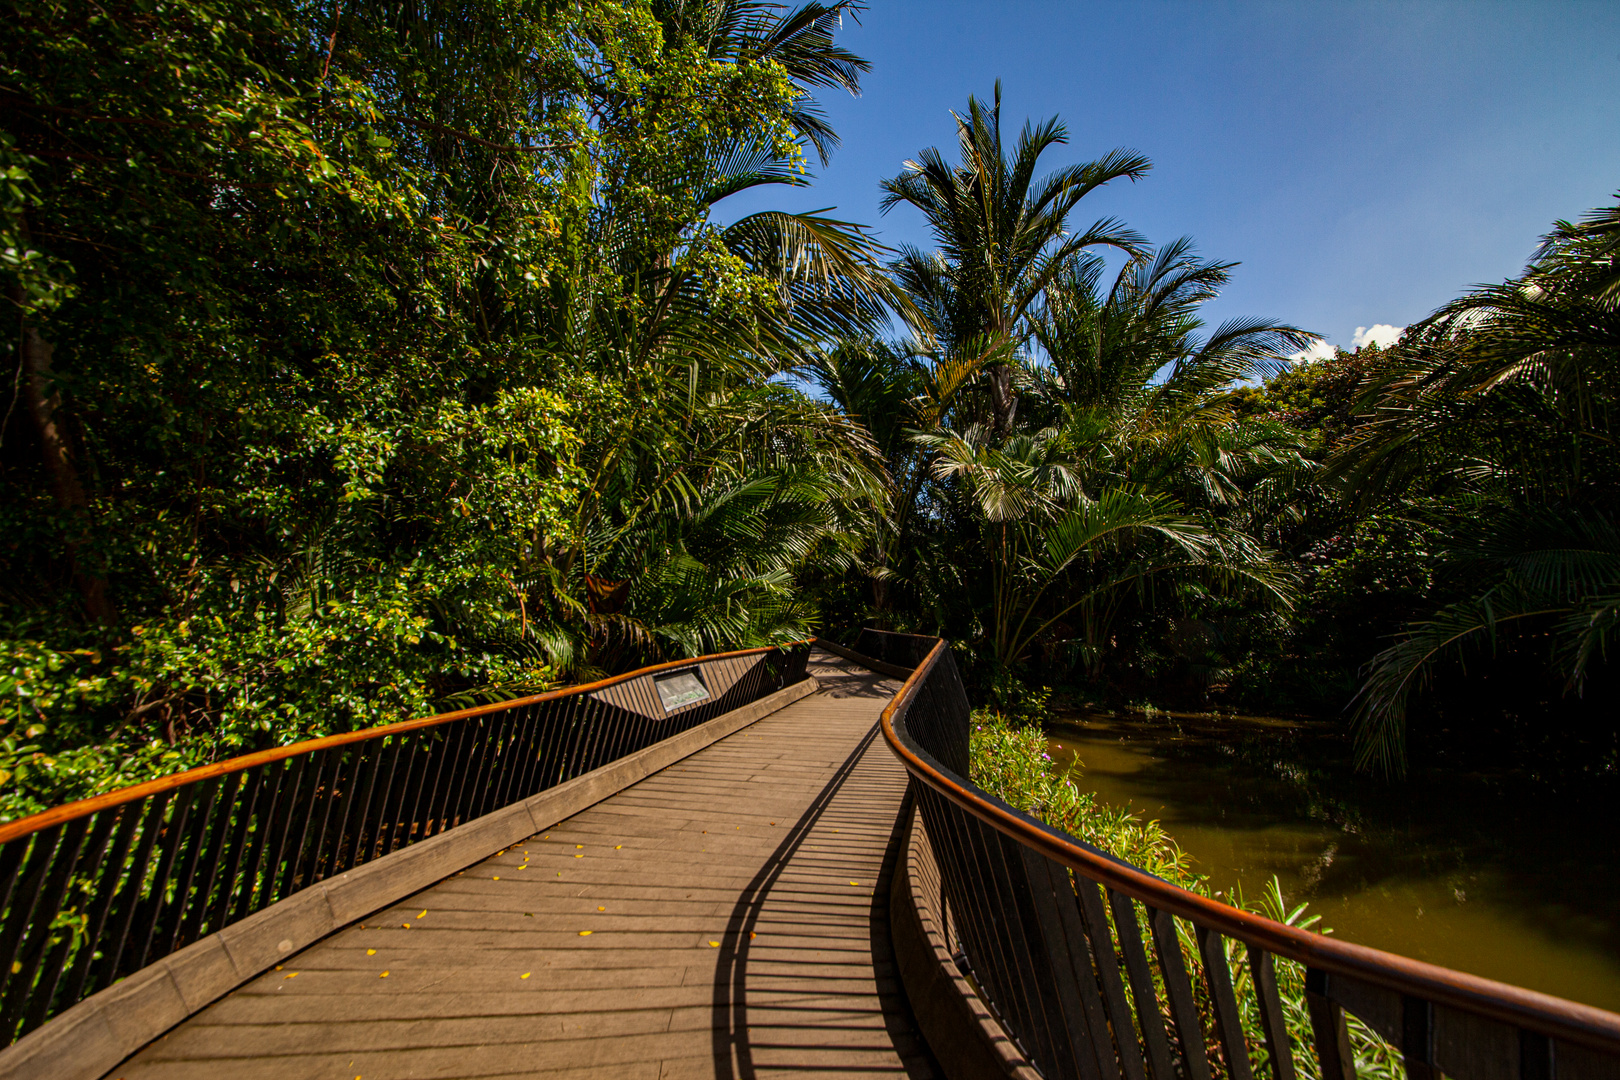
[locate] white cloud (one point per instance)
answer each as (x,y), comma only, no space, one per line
(1319,350)
(1382,335)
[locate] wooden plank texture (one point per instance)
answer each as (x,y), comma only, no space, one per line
(724,917)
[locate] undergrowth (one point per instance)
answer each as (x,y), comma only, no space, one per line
(1010,760)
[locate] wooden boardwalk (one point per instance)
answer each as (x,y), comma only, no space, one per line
(726,917)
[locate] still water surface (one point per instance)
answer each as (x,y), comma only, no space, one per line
(1488,872)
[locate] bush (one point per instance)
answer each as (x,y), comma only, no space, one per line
(1010,761)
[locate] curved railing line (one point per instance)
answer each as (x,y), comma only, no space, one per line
(79,808)
(1544,1013)
(152,869)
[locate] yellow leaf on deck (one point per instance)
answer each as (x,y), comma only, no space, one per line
(584,933)
(579,845)
(525,975)
(854,883)
(371,952)
(422,916)
(616,847)
(714,944)
(497,877)
(579,856)
(384,975)
(290,975)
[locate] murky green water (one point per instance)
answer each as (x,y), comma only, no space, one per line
(1484,872)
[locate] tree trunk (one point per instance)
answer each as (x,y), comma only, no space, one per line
(45,405)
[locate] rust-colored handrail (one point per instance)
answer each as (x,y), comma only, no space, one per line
(1529,1009)
(152,868)
(79,808)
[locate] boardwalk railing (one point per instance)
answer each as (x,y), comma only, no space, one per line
(1101,971)
(95,890)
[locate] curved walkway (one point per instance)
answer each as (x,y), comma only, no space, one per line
(726,917)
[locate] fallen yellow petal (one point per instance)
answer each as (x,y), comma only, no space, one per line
(854,883)
(578,856)
(600,908)
(497,877)
(371,952)
(290,975)
(616,847)
(525,975)
(407,925)
(584,933)
(278,968)
(384,975)
(714,944)
(751,935)
(422,916)
(579,845)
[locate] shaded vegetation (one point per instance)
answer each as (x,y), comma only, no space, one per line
(375,359)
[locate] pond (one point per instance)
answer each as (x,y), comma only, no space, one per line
(1491,872)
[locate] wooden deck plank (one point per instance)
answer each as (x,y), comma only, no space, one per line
(741,887)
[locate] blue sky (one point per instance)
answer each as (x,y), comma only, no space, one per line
(1365,162)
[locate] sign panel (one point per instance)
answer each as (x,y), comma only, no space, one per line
(684,688)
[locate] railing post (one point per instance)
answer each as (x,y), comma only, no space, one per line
(1328,1029)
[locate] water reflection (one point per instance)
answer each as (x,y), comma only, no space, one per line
(1486,872)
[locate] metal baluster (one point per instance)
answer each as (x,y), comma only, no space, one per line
(1086,959)
(1076,1004)
(230,792)
(103,886)
(246,799)
(473,774)
(36,938)
(1143,990)
(362,776)
(129,897)
(1417,1038)
(250,898)
(308,810)
(1173,967)
(55,966)
(1012,887)
(173,834)
(1228,1020)
(378,813)
(1328,1029)
(1121,1019)
(291,802)
(184,901)
(444,776)
(31,881)
(413,807)
(391,816)
(552,748)
(1264,975)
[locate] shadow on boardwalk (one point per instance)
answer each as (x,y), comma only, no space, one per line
(726,917)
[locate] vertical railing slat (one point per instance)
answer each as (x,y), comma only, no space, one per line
(1263,973)
(1228,1020)
(1120,1017)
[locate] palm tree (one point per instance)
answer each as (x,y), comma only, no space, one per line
(1500,408)
(1002,236)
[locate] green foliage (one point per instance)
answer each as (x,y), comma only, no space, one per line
(363,347)
(1010,760)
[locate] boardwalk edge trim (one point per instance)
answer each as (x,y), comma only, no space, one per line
(101,1031)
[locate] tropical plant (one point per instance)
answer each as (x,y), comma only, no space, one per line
(1498,408)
